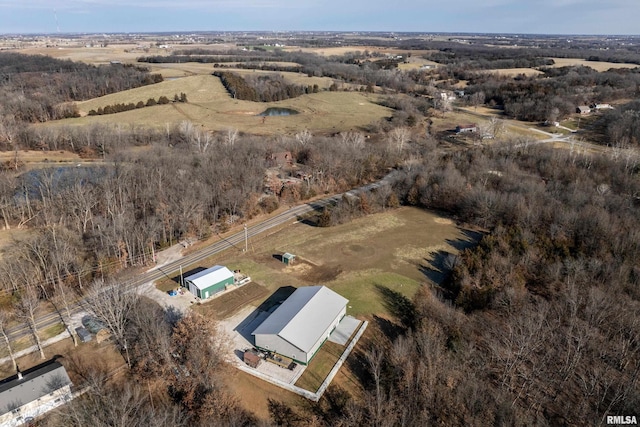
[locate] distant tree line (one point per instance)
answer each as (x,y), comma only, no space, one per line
(118,108)
(39,88)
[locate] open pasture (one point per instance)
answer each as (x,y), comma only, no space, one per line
(210,106)
(596,65)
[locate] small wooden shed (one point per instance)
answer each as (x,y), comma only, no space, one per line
(288,258)
(251,358)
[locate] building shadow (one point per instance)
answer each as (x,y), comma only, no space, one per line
(260,313)
(178,278)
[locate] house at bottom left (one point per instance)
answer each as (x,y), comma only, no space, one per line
(30,394)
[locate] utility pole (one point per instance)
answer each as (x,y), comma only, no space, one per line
(246,238)
(181,276)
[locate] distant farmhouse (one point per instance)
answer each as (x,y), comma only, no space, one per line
(470,128)
(583,109)
(32,393)
(298,328)
(209,282)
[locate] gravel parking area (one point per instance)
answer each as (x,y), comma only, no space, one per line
(238,329)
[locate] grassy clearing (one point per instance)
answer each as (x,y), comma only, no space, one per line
(9,237)
(362,289)
(596,65)
(30,156)
(320,366)
(395,250)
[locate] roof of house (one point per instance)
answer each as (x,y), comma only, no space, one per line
(210,276)
(35,383)
(584,108)
(304,316)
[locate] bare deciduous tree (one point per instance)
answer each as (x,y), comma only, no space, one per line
(5,317)
(111,303)
(27,307)
(304,137)
(398,137)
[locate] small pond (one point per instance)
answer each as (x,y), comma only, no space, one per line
(277,111)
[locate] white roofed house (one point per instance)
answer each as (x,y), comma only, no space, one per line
(301,324)
(32,393)
(209,282)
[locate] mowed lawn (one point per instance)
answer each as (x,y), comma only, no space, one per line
(210,106)
(397,251)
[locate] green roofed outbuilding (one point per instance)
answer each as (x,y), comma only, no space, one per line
(209,282)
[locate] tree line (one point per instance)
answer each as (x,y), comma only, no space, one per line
(118,108)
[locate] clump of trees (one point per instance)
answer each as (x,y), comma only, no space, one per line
(118,108)
(261,88)
(178,365)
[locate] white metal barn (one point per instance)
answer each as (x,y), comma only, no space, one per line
(206,283)
(302,323)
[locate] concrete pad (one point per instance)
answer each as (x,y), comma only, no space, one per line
(344,330)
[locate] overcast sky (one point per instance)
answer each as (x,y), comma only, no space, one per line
(493,16)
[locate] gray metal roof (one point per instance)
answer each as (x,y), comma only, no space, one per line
(304,316)
(210,276)
(35,383)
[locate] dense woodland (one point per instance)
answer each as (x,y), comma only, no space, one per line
(39,88)
(110,217)
(538,324)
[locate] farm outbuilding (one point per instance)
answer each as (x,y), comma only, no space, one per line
(209,282)
(301,324)
(288,258)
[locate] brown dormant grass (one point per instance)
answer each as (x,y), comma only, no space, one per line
(211,106)
(596,65)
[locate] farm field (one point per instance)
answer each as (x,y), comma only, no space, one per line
(596,65)
(341,50)
(512,72)
(211,107)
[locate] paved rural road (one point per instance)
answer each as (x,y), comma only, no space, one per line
(236,240)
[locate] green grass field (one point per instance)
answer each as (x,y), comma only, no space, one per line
(320,366)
